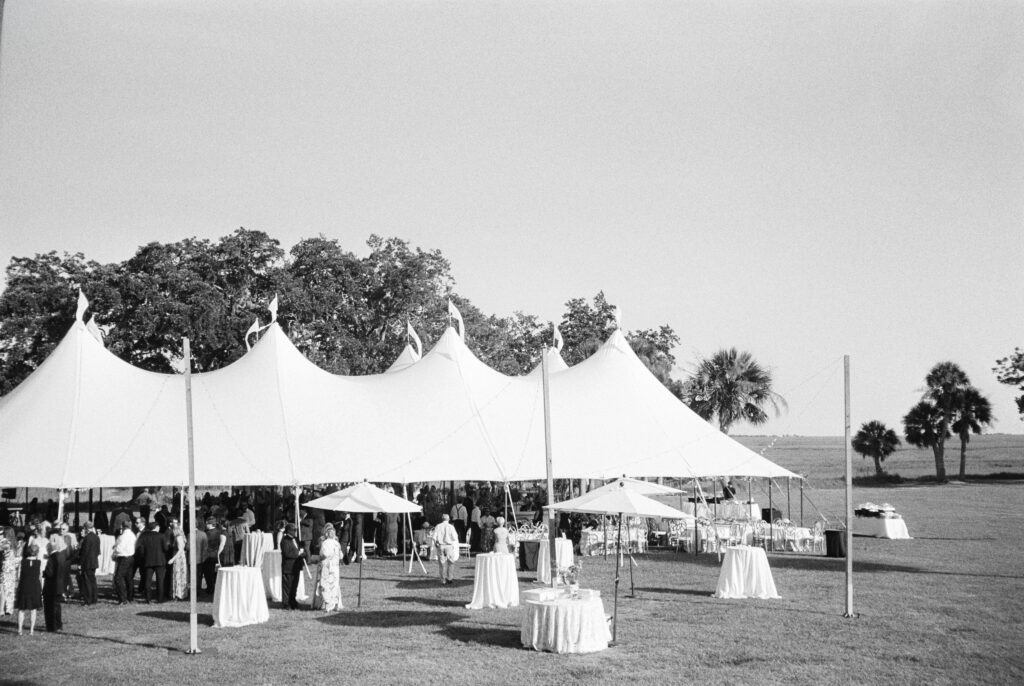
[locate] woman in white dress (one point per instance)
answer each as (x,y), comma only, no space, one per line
(328,588)
(500,536)
(179,567)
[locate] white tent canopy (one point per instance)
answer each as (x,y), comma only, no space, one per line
(85,418)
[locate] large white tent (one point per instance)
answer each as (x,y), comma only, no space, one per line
(85,418)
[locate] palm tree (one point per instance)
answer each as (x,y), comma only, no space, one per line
(925,426)
(732,386)
(945,382)
(876,440)
(973,411)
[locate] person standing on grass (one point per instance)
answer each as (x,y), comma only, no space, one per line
(460,519)
(291,566)
(124,565)
(153,552)
(446,539)
(198,556)
(215,542)
(53,583)
(88,563)
(30,594)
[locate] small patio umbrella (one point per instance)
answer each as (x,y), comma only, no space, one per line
(621,500)
(363,497)
(636,485)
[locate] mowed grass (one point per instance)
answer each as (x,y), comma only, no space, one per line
(944,608)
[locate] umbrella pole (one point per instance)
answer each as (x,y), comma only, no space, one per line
(359,599)
(615,606)
(604,521)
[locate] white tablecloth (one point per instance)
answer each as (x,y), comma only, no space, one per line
(271,572)
(566,626)
(106,560)
(880,527)
(253,547)
(745,574)
(238,597)
(563,558)
(495,583)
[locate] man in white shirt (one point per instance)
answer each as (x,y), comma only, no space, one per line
(460,520)
(446,539)
(124,565)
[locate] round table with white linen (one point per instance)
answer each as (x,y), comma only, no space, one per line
(745,574)
(254,545)
(566,625)
(563,558)
(106,559)
(495,583)
(271,572)
(239,598)
(881,527)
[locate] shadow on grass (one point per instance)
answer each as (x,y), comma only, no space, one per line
(390,618)
(433,602)
(496,637)
(702,593)
(132,644)
(431,582)
(173,616)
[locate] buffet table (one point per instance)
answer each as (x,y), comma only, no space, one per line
(106,559)
(563,558)
(239,598)
(881,527)
(564,625)
(253,547)
(745,574)
(495,583)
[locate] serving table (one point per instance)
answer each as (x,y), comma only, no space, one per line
(881,527)
(495,583)
(565,625)
(239,598)
(745,574)
(563,558)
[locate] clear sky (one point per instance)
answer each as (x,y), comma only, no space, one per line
(799,179)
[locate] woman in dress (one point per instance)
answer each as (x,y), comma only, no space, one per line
(30,591)
(391,527)
(500,536)
(11,554)
(487,523)
(67,589)
(179,567)
(328,588)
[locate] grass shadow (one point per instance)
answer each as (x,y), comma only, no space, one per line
(702,593)
(390,618)
(432,602)
(173,616)
(496,637)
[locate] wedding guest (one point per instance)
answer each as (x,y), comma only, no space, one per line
(88,563)
(178,564)
(10,559)
(53,583)
(124,565)
(500,536)
(30,593)
(328,586)
(291,566)
(446,540)
(153,553)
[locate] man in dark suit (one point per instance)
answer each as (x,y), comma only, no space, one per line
(88,563)
(345,537)
(291,566)
(152,548)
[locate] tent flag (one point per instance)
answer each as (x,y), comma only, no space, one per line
(252,329)
(416,339)
(454,313)
(273,309)
(559,341)
(96,331)
(83,305)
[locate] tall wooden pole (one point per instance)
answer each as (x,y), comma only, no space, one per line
(849,490)
(193,617)
(552,516)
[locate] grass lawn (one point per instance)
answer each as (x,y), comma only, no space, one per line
(946,607)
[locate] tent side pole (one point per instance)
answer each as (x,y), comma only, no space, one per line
(771,513)
(193,617)
(849,490)
(789,504)
(696,529)
(801,502)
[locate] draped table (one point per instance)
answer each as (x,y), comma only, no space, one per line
(881,527)
(106,559)
(564,625)
(239,598)
(253,547)
(271,573)
(563,558)
(495,583)
(745,574)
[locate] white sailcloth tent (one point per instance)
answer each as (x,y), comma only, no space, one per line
(87,419)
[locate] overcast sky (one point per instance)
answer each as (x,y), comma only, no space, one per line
(798,179)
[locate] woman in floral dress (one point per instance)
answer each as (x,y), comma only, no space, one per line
(10,551)
(328,588)
(179,566)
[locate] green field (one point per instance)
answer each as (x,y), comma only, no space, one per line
(944,608)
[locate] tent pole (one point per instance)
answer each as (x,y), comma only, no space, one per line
(604,522)
(801,502)
(77,507)
(408,519)
(696,530)
(193,617)
(552,521)
(615,610)
(789,504)
(90,505)
(771,513)
(849,490)
(359,600)
(714,494)
(60,509)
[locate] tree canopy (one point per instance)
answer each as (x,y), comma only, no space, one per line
(1010,370)
(877,441)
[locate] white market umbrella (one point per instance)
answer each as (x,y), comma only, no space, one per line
(363,497)
(636,485)
(621,500)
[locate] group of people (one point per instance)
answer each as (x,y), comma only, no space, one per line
(36,571)
(446,540)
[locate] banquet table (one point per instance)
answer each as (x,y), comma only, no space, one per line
(563,558)
(745,574)
(881,527)
(495,583)
(106,559)
(239,598)
(564,625)
(271,572)
(253,547)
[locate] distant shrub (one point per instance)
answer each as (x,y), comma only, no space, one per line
(883,479)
